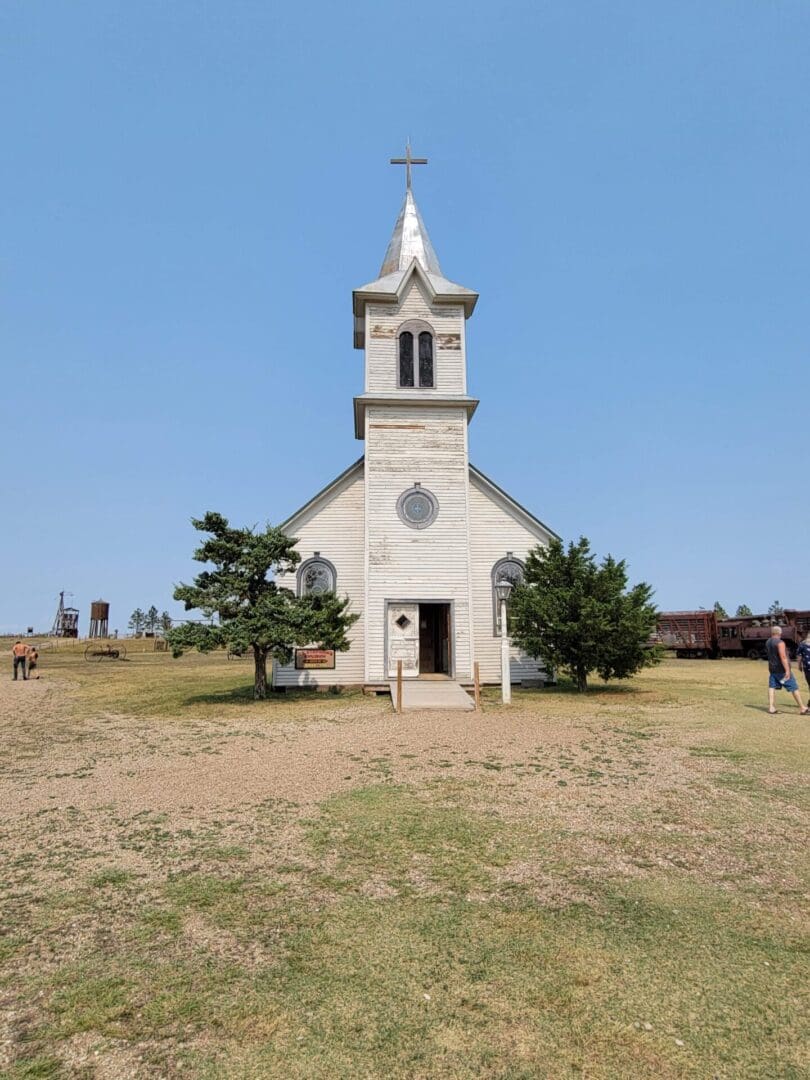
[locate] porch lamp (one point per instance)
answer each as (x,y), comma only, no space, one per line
(503,590)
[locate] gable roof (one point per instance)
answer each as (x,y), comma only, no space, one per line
(326,494)
(341,482)
(512,505)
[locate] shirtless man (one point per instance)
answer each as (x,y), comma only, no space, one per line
(780,675)
(19,651)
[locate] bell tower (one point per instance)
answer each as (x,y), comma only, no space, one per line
(413,416)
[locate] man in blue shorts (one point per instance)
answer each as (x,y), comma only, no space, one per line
(780,674)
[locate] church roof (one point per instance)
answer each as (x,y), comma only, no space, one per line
(409,251)
(341,482)
(410,240)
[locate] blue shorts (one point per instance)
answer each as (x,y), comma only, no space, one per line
(775,683)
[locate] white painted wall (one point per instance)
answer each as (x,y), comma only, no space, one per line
(335,529)
(406,444)
(382,347)
(494,530)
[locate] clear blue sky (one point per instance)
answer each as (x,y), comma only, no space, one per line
(190,191)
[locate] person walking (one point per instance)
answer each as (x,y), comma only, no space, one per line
(33,660)
(803,656)
(780,677)
(19,651)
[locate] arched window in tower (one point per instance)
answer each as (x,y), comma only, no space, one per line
(425,358)
(415,341)
(406,358)
(316,575)
(509,569)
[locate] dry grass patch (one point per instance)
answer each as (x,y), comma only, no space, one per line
(608,886)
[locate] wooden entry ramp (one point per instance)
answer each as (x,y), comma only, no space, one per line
(432,694)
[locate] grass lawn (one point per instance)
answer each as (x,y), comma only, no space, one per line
(609,885)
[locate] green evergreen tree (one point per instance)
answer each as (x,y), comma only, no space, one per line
(776,612)
(152,620)
(580,617)
(719,610)
(136,621)
(744,611)
(254,612)
(165,622)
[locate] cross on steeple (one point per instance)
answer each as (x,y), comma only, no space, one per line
(407,161)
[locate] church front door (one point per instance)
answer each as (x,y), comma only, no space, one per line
(434,639)
(403,639)
(419,636)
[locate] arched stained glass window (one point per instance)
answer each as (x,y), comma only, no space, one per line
(406,358)
(425,359)
(415,355)
(508,569)
(316,575)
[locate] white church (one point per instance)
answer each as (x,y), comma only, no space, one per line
(412,532)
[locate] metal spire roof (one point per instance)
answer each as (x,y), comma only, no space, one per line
(409,253)
(410,241)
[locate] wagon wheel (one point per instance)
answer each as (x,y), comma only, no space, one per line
(753,654)
(92,652)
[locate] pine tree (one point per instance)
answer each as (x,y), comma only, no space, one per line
(152,619)
(580,617)
(254,612)
(165,622)
(744,611)
(136,621)
(719,610)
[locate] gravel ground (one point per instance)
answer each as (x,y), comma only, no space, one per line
(167,766)
(617,785)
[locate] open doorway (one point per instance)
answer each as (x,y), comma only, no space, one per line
(434,639)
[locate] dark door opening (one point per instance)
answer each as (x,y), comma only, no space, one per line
(434,639)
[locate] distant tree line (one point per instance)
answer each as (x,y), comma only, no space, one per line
(150,621)
(775,611)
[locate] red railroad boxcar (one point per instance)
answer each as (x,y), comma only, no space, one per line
(701,635)
(689,633)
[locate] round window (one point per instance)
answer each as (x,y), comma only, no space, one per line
(417,507)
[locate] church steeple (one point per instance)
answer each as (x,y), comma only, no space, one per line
(409,251)
(409,241)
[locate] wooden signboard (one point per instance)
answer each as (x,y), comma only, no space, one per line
(309,659)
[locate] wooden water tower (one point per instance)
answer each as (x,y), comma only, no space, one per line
(99,618)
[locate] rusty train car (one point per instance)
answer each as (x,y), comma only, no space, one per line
(701,635)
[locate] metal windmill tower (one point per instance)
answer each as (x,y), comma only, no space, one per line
(66,620)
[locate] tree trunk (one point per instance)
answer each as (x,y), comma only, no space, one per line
(260,674)
(582,680)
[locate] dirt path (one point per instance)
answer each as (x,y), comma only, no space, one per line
(111,759)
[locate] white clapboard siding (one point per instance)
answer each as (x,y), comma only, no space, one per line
(495,530)
(334,527)
(408,444)
(382,349)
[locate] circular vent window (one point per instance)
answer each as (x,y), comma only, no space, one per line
(417,507)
